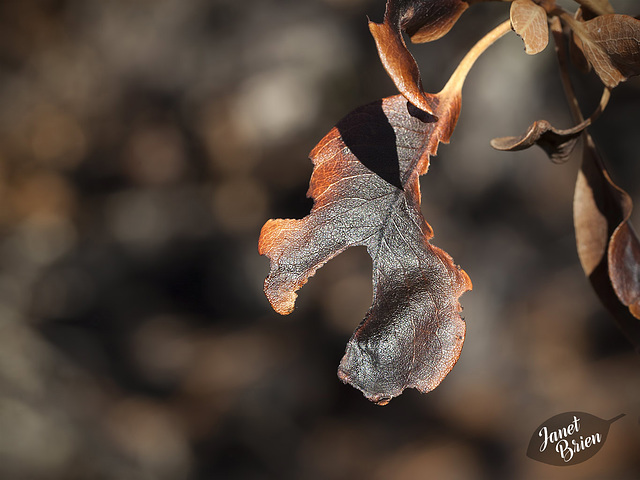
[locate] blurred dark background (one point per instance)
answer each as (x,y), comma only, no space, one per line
(143,143)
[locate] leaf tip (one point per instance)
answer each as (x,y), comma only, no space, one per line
(283,304)
(503,143)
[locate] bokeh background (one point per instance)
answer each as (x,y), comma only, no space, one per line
(143,143)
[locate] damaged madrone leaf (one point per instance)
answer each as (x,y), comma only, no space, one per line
(365,187)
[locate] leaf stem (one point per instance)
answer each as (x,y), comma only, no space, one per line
(462,70)
(561,54)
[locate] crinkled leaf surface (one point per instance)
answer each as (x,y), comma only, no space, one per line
(611,44)
(601,209)
(529,21)
(366,192)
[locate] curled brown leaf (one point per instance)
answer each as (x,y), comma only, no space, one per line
(624,265)
(366,191)
(529,21)
(399,63)
(607,246)
(558,144)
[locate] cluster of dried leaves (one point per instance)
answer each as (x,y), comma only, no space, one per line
(365,187)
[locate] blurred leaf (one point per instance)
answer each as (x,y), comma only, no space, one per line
(529,21)
(624,262)
(611,44)
(558,144)
(601,209)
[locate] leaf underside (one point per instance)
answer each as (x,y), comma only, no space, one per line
(365,186)
(529,21)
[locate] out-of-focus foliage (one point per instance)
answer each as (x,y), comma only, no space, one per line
(140,152)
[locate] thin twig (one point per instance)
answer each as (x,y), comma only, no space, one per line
(561,54)
(463,68)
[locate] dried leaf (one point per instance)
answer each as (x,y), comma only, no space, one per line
(624,266)
(424,21)
(558,144)
(611,44)
(529,21)
(600,209)
(366,192)
(399,63)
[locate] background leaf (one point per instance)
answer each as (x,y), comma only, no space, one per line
(599,208)
(398,62)
(624,262)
